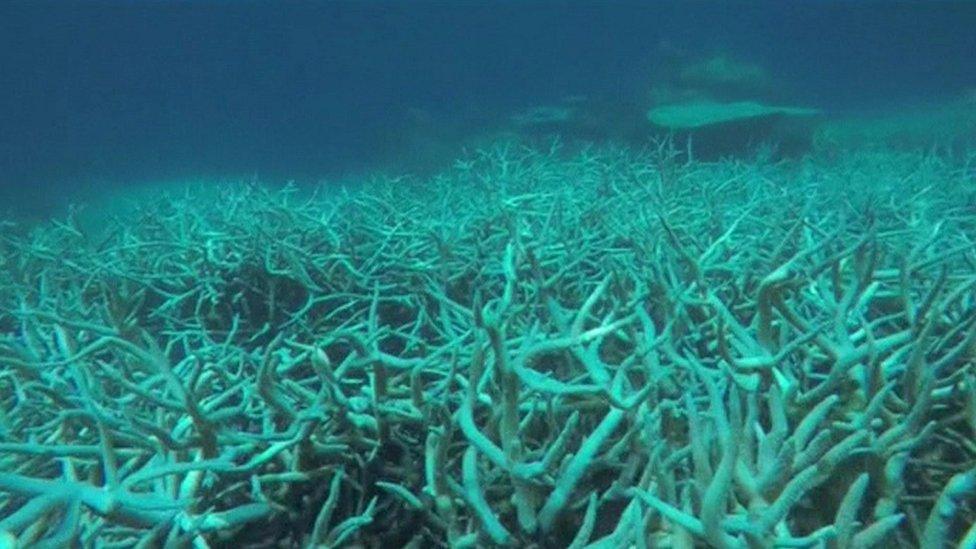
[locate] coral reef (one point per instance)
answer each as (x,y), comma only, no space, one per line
(606,348)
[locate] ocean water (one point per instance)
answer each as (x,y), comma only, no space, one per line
(108,94)
(475,274)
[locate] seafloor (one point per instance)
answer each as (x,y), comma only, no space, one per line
(603,348)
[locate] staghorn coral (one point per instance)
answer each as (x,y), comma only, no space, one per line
(605,349)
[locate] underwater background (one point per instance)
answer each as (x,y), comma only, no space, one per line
(106,94)
(487,274)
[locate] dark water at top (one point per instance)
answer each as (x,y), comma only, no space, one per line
(101,94)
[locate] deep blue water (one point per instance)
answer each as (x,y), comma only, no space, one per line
(97,94)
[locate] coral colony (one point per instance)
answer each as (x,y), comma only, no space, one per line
(536,348)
